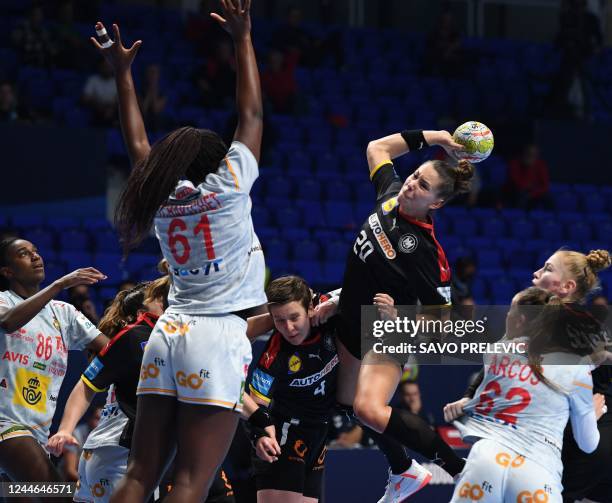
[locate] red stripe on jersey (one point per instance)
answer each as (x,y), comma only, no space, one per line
(147,318)
(267,359)
(445,272)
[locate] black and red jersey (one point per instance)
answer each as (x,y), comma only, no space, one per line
(119,363)
(393,254)
(298,381)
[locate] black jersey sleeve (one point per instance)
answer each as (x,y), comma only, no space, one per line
(267,371)
(386,181)
(106,367)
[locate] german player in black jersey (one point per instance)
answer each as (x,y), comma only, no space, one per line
(396,253)
(295,379)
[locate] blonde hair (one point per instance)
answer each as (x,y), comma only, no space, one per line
(583,269)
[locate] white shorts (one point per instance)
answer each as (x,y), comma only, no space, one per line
(10,429)
(100,470)
(496,474)
(201,360)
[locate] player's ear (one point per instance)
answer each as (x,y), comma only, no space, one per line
(438,204)
(310,311)
(6,272)
(568,287)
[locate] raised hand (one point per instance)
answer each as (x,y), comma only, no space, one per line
(236,20)
(85,276)
(385,305)
(116,54)
(323,312)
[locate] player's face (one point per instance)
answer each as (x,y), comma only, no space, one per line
(25,265)
(155,306)
(418,195)
(552,277)
(292,321)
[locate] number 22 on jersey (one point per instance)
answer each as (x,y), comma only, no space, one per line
(178,235)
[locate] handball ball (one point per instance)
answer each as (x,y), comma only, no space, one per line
(410,372)
(477,140)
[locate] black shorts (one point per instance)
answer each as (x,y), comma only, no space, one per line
(299,467)
(220,491)
(588,475)
(349,334)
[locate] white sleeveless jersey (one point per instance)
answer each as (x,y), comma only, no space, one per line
(111,425)
(514,408)
(34,360)
(206,234)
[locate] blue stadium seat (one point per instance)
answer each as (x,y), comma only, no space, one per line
(308,189)
(493,228)
(339,214)
(26,221)
(42,238)
(105,241)
(279,187)
(265,233)
(364,192)
(336,190)
(260,215)
(335,251)
(74,240)
(603,230)
(502,290)
(76,259)
(593,202)
(306,249)
(489,259)
(63,223)
(333,272)
(288,217)
(312,212)
(294,234)
(566,201)
(579,231)
(310,270)
(53,271)
(276,249)
(550,230)
(137,262)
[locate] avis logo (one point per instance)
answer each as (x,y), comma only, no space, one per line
(31,394)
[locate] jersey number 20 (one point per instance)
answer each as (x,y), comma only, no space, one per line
(363,247)
(175,238)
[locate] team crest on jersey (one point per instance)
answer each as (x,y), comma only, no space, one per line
(295,363)
(56,324)
(387,206)
(408,243)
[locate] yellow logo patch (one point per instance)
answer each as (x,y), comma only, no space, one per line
(388,205)
(295,364)
(31,390)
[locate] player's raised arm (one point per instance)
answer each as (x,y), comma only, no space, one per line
(392,146)
(237,22)
(120,58)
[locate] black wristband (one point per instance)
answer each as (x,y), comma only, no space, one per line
(261,418)
(414,139)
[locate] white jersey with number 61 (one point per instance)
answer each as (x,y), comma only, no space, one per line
(513,407)
(206,234)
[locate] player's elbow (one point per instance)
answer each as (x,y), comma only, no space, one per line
(588,443)
(375,152)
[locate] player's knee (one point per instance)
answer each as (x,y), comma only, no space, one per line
(368,413)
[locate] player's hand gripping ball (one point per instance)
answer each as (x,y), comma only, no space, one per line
(477,140)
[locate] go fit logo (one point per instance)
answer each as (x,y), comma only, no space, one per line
(193,381)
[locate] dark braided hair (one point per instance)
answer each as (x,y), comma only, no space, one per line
(123,310)
(186,152)
(5,244)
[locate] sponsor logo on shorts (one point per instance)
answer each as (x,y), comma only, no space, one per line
(262,382)
(93,369)
(307,381)
(99,488)
(175,327)
(295,363)
(381,237)
(193,381)
(471,492)
(300,448)
(159,362)
(149,371)
(408,243)
(504,459)
(39,366)
(539,496)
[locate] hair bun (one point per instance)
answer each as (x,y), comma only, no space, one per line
(598,260)
(464,170)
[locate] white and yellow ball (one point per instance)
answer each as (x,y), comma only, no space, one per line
(477,140)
